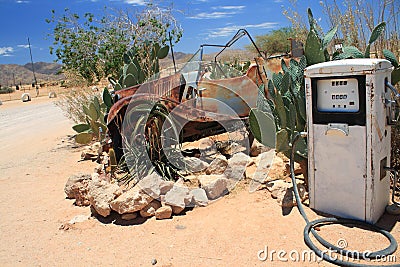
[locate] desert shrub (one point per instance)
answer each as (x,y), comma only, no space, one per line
(72,102)
(6,90)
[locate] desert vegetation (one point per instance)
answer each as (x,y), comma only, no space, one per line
(127,48)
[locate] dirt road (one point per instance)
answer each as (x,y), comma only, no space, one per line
(37,159)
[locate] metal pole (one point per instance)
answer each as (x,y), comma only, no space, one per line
(33,68)
(172,50)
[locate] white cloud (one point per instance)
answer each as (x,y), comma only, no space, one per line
(220,12)
(231,29)
(212,15)
(6,51)
(129,2)
(23,46)
(22,2)
(228,7)
(136,2)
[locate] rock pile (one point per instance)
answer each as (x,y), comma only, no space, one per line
(212,174)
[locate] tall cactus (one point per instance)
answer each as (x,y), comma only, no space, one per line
(140,65)
(316,49)
(287,104)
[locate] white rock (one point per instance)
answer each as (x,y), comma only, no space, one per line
(73,179)
(215,186)
(101,193)
(199,197)
(178,196)
(25,97)
(52,94)
(131,201)
(151,185)
(194,164)
(237,166)
(261,167)
(79,219)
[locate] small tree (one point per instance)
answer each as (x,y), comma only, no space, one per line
(274,42)
(93,48)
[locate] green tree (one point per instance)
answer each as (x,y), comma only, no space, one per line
(93,48)
(274,42)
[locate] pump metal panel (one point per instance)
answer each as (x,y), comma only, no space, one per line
(338,175)
(349,146)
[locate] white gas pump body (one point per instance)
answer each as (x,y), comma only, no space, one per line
(348,137)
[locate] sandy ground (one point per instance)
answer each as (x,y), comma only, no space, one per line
(37,158)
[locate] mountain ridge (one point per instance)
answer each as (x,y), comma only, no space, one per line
(12,74)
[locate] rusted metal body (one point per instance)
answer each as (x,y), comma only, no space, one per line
(205,108)
(203,105)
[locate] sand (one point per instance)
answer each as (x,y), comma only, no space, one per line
(38,156)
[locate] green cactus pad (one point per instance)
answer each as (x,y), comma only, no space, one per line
(83,138)
(391,57)
(262,125)
(79,128)
(313,51)
(107,98)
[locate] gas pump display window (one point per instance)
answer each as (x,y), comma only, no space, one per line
(338,95)
(339,99)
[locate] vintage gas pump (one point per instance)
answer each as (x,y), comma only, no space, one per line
(350,110)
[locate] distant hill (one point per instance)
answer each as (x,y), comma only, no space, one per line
(44,72)
(48,72)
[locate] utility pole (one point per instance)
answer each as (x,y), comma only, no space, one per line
(33,68)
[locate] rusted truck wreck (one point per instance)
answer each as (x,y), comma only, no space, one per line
(202,103)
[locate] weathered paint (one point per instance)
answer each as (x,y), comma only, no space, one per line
(345,176)
(223,100)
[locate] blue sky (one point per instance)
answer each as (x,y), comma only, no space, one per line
(203,21)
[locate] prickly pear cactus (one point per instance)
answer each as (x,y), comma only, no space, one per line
(95,126)
(287,104)
(354,52)
(316,48)
(140,65)
(396,72)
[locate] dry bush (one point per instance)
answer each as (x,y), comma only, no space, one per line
(72,101)
(355,20)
